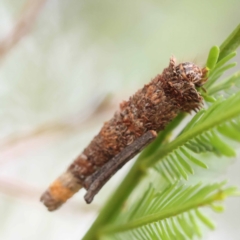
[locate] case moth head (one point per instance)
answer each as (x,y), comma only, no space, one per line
(189,72)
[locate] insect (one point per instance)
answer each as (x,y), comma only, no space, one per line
(131,129)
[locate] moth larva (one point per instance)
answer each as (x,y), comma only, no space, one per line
(149,109)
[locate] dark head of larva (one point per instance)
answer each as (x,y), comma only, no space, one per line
(192,73)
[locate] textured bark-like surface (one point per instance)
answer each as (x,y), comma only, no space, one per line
(150,108)
(96,181)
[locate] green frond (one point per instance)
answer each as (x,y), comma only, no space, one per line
(231,43)
(172,213)
(211,130)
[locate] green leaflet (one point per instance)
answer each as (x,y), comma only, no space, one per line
(193,159)
(231,43)
(205,220)
(228,84)
(212,57)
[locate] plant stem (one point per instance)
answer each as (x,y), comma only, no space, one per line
(230,44)
(161,215)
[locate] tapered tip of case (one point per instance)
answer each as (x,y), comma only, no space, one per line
(60,191)
(51,203)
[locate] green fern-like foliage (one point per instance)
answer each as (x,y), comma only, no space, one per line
(168,214)
(162,197)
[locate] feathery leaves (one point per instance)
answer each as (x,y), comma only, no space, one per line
(173,212)
(203,134)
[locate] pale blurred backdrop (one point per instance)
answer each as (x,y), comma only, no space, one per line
(64,67)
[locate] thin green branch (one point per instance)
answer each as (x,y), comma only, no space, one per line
(230,44)
(186,136)
(162,214)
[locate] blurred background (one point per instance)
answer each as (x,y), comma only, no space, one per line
(64,68)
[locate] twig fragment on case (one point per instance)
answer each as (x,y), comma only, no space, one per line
(97,180)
